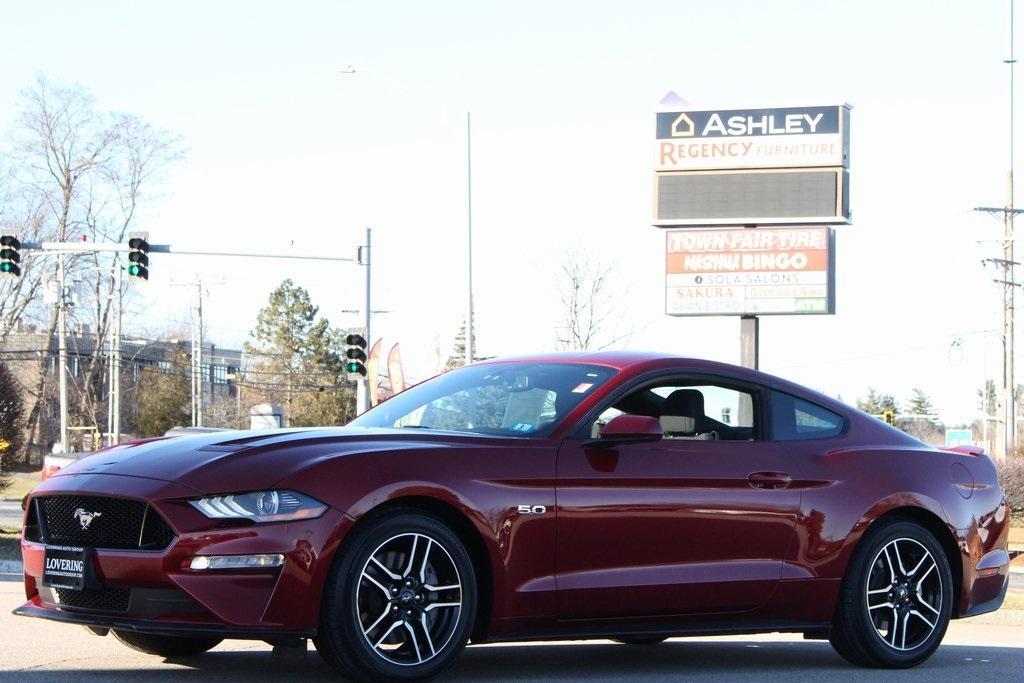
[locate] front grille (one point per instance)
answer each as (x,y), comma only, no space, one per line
(100,600)
(116,523)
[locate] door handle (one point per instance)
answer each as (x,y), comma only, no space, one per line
(769,480)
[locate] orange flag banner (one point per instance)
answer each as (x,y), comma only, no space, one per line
(372,376)
(395,370)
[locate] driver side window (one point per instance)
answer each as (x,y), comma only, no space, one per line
(690,409)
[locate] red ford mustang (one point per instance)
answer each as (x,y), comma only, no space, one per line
(595,495)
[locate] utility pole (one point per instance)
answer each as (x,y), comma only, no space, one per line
(198,378)
(62,354)
(1006,441)
(114,360)
(469,238)
(198,383)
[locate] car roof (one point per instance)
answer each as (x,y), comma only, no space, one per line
(626,360)
(642,360)
(620,360)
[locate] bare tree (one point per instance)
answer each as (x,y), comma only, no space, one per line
(22,213)
(77,171)
(591,309)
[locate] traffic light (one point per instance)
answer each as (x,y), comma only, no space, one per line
(10,257)
(138,257)
(889,416)
(355,353)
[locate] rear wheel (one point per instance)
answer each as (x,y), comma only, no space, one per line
(896,599)
(166,646)
(400,601)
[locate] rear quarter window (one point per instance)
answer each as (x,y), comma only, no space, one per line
(794,419)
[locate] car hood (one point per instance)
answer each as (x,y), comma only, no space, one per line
(248,460)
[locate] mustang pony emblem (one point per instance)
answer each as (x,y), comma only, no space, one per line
(85,518)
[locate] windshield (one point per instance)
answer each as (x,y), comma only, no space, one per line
(508,399)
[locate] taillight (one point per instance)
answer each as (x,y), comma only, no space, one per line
(48,471)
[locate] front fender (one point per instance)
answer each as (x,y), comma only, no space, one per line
(486,486)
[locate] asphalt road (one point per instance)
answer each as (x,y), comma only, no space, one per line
(34,650)
(10,514)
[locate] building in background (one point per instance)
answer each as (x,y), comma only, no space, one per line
(33,358)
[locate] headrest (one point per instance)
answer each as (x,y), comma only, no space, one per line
(680,411)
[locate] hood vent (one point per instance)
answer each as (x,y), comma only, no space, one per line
(246,441)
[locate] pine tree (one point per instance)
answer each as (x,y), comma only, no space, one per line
(164,396)
(297,360)
(876,404)
(920,404)
(457,358)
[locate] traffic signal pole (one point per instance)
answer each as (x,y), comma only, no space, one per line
(115,437)
(62,248)
(365,383)
(94,247)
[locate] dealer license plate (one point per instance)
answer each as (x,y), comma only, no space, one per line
(67,567)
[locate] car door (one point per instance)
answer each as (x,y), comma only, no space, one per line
(683,525)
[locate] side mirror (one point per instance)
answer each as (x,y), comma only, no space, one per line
(629,429)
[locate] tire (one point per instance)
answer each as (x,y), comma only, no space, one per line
(166,646)
(640,640)
(902,620)
(378,619)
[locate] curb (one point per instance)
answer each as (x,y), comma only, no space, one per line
(1002,617)
(10,567)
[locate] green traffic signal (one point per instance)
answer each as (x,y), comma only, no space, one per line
(9,256)
(139,271)
(138,261)
(355,352)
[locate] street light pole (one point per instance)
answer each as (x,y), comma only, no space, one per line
(469,238)
(1009,383)
(363,386)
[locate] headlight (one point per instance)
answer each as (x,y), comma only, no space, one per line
(260,506)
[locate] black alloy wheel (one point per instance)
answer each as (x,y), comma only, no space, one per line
(400,601)
(896,598)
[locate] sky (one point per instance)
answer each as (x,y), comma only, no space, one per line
(289,151)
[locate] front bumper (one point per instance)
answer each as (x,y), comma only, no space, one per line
(168,628)
(156,592)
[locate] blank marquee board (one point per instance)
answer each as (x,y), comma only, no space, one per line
(774,166)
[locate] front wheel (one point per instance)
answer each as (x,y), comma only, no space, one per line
(400,600)
(896,599)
